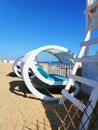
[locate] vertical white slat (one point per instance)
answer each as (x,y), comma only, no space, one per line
(93,98)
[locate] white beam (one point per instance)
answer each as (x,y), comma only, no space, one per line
(85,81)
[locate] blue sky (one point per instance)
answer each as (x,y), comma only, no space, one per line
(28,24)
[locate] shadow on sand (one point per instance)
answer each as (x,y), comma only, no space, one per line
(19,88)
(12,74)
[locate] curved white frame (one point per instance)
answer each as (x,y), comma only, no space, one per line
(28,62)
(15,68)
(18,61)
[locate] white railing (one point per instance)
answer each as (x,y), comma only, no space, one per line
(90,2)
(60,69)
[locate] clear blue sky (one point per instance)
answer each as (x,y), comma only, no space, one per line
(28,24)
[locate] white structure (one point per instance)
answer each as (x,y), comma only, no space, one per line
(16,66)
(62,54)
(8,61)
(27,68)
(84,57)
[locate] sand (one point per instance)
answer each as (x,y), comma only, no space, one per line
(20,109)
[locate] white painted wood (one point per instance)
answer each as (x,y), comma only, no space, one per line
(61,53)
(90,42)
(76,66)
(73,99)
(17,70)
(85,81)
(89,110)
(93,26)
(91,5)
(88,59)
(91,13)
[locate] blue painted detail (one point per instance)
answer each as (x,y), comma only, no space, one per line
(53,77)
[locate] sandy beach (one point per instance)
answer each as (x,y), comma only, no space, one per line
(20,109)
